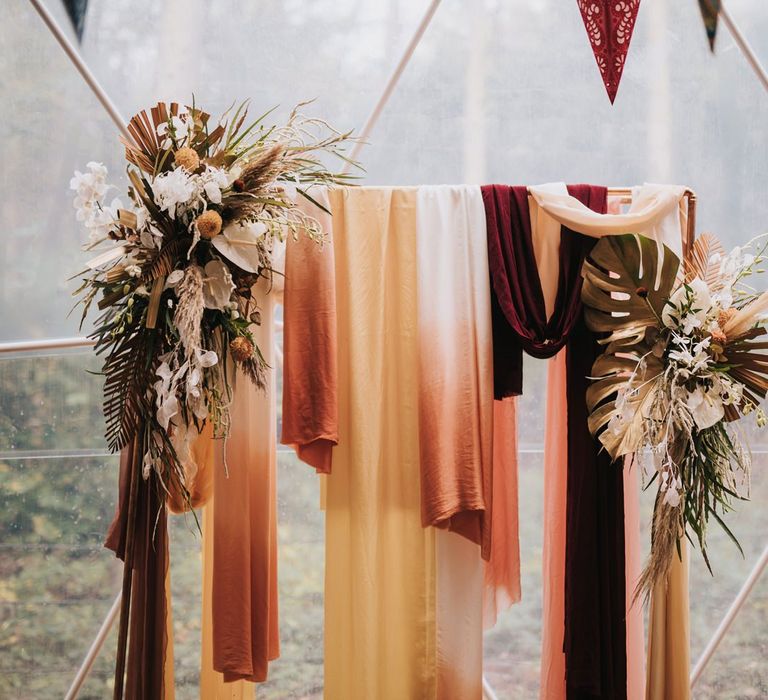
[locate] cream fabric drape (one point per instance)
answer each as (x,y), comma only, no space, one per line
(656,211)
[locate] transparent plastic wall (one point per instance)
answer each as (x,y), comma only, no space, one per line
(497,91)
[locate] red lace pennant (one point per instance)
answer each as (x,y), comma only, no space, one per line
(609,25)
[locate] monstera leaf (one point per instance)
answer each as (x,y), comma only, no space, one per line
(627,281)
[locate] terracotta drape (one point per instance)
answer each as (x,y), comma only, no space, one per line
(310,375)
(244,590)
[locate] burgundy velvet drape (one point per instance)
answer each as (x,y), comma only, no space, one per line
(517,301)
(595,628)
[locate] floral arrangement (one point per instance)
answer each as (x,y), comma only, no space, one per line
(685,358)
(175,271)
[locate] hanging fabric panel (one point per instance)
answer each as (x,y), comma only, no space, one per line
(380,576)
(455,363)
(310,375)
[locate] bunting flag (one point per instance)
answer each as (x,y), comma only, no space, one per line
(609,25)
(76,11)
(710,10)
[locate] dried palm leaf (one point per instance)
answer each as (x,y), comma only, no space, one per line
(698,263)
(625,288)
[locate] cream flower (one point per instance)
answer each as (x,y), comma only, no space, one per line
(244,245)
(678,313)
(213,181)
(217,285)
(706,407)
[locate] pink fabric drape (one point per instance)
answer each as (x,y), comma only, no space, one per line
(553,549)
(502,571)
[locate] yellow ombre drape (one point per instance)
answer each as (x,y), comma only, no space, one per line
(380,578)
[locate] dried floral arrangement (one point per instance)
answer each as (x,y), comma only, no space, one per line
(175,270)
(685,357)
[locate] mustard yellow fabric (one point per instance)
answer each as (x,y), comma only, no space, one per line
(380,632)
(669,655)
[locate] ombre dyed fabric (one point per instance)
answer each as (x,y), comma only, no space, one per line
(455,378)
(467,443)
(380,572)
(310,376)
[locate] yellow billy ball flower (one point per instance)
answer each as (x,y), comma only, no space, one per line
(209,224)
(188,159)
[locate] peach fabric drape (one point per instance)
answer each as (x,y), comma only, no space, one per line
(380,576)
(502,572)
(310,419)
(553,548)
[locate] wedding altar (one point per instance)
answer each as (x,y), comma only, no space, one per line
(500,407)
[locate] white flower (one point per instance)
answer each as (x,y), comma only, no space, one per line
(133,271)
(178,129)
(102,220)
(166,401)
(213,181)
(206,358)
(173,190)
(233,173)
(706,407)
(217,285)
(90,186)
(672,497)
(237,243)
(678,313)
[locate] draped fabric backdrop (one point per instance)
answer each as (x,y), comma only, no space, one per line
(423,284)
